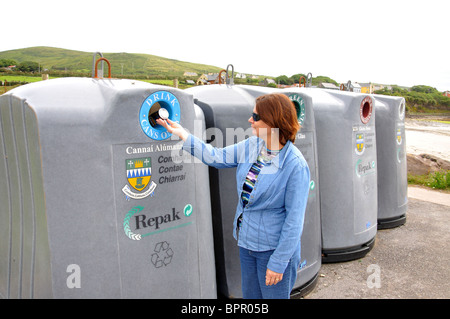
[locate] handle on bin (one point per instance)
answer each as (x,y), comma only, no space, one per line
(93,62)
(300,82)
(349,84)
(308,80)
(220,76)
(229,80)
(96,68)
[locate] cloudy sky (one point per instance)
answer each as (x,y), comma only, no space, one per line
(384,41)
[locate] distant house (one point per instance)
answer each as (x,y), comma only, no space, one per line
(240,76)
(355,87)
(366,87)
(349,86)
(268,81)
(190,82)
(329,86)
(376,87)
(190,74)
(211,78)
(447,93)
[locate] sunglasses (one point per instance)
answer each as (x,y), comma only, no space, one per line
(255,117)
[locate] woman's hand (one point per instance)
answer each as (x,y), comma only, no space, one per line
(174,128)
(272,277)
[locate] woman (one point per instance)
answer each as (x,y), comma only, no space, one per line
(272,184)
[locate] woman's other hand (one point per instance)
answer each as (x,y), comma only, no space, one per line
(272,277)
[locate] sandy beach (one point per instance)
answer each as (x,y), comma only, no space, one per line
(428,137)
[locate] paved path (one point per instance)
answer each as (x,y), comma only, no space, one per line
(428,195)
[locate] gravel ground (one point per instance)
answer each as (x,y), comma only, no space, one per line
(411,260)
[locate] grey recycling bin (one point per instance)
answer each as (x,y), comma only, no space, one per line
(95,200)
(391,158)
(227,109)
(346,144)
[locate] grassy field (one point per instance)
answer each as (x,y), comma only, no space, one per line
(32,79)
(20,78)
(16,79)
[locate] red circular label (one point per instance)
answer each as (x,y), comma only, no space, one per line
(365,110)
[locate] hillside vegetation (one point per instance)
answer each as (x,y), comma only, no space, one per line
(57,60)
(420,98)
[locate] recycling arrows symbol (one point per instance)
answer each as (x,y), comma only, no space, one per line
(162,255)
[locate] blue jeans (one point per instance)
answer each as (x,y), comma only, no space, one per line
(253,272)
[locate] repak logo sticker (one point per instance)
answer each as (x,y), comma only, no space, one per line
(137,225)
(364,168)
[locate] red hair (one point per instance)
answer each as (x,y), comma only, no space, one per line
(278,111)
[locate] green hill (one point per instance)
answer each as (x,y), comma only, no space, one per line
(139,65)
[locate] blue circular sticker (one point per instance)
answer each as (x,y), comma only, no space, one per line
(150,107)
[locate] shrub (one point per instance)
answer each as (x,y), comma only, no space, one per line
(440,180)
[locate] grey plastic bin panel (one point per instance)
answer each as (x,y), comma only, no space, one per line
(24,247)
(306,141)
(391,157)
(228,109)
(81,134)
(221,106)
(348,173)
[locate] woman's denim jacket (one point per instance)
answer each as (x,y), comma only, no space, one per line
(273,218)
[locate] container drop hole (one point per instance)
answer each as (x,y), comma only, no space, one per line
(297,108)
(366,110)
(154,113)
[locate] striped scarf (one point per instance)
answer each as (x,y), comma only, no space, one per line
(264,158)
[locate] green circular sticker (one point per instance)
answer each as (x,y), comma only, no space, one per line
(299,107)
(188,210)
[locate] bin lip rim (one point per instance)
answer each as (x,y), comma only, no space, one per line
(366,110)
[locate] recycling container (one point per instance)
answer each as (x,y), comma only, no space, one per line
(96,201)
(346,147)
(391,158)
(227,109)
